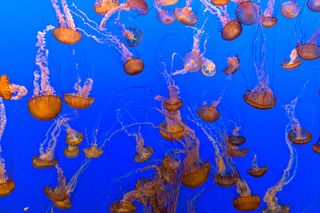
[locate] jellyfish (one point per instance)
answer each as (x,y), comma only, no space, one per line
(209,112)
(164,16)
(248,12)
(73,137)
(132,35)
(93,151)
(6,185)
(268,20)
(255,170)
(71,151)
(261,96)
(288,174)
(60,195)
(297,134)
(234,151)
(235,139)
(314,5)
(290,9)
(44,104)
(169,169)
(139,6)
(185,14)
(309,50)
(246,201)
(166,2)
(80,99)
(48,146)
(67,32)
(220,2)
(233,65)
(231,29)
(7,90)
(316,146)
(294,61)
(132,65)
(102,7)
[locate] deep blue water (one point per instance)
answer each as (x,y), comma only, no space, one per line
(114,90)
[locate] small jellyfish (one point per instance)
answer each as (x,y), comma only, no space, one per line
(185,14)
(234,151)
(220,2)
(166,2)
(93,151)
(174,102)
(66,33)
(123,206)
(44,105)
(294,61)
(73,137)
(171,128)
(71,151)
(231,30)
(260,97)
(133,66)
(46,157)
(132,36)
(104,6)
(143,153)
(290,9)
(314,5)
(309,50)
(222,177)
(10,91)
(233,65)
(6,185)
(208,67)
(169,169)
(235,139)
(268,20)
(316,146)
(165,16)
(248,12)
(255,170)
(80,99)
(246,201)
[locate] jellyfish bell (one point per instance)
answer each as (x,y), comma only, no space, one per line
(314,5)
(133,66)
(301,137)
(225,180)
(231,30)
(196,176)
(166,16)
(192,61)
(40,163)
(257,171)
(208,68)
(278,209)
(139,6)
(246,203)
(55,195)
(144,156)
(291,65)
(169,168)
(5,91)
(7,187)
(220,2)
(45,107)
(260,97)
(208,113)
(66,35)
(93,152)
(316,147)
(308,51)
(132,36)
(174,102)
(236,140)
(77,101)
(233,65)
(248,12)
(290,9)
(71,151)
(65,204)
(269,21)
(73,137)
(185,16)
(234,151)
(104,6)
(166,2)
(171,131)
(122,207)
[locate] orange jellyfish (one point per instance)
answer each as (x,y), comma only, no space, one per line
(164,16)
(231,29)
(80,99)
(255,170)
(169,169)
(220,2)
(248,12)
(270,197)
(166,2)
(6,185)
(139,6)
(143,153)
(44,105)
(60,195)
(132,65)
(73,137)
(314,5)
(7,90)
(66,33)
(222,177)
(185,14)
(233,65)
(93,151)
(309,50)
(316,146)
(104,6)
(268,20)
(290,9)
(171,128)
(294,61)
(261,96)
(71,151)
(234,151)
(46,157)
(246,201)
(235,139)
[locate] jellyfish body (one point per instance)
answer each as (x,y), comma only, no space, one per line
(6,185)
(255,170)
(208,113)
(226,179)
(248,12)
(314,5)
(236,140)
(143,153)
(71,151)
(73,137)
(208,67)
(192,61)
(186,16)
(234,151)
(260,97)
(246,203)
(174,102)
(233,65)
(172,128)
(220,2)
(132,36)
(5,91)
(45,107)
(231,30)
(166,2)
(300,136)
(80,99)
(133,66)
(123,206)
(169,169)
(104,6)
(93,152)
(308,51)
(66,35)
(290,9)
(166,16)
(269,21)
